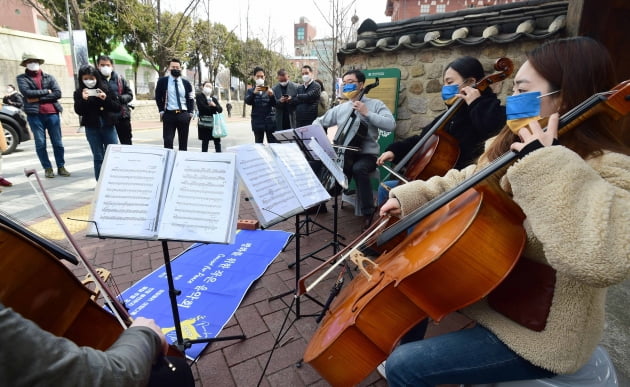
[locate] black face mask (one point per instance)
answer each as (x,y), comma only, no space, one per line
(176,73)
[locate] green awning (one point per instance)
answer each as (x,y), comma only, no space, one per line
(121,56)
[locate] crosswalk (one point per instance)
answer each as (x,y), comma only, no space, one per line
(68,194)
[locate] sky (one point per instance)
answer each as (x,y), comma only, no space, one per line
(277,16)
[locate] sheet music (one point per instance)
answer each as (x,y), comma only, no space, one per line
(269,191)
(307,187)
(307,134)
(128,194)
(201,201)
(336,171)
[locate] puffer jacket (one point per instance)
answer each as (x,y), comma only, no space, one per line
(29,90)
(578,222)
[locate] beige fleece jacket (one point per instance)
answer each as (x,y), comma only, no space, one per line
(578,221)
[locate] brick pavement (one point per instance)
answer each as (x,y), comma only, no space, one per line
(240,363)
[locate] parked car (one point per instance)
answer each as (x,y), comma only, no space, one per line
(15,127)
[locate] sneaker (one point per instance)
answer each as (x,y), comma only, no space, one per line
(381,370)
(48,172)
(5,183)
(62,171)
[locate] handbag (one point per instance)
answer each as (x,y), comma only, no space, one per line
(206,122)
(220,127)
(525,295)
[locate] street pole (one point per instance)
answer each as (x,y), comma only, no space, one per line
(72,54)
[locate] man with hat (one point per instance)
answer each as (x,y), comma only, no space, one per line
(41,104)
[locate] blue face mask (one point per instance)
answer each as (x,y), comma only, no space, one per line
(448,93)
(349,87)
(523,105)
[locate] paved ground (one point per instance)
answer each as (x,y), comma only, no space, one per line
(244,363)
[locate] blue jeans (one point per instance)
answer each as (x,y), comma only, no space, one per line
(39,123)
(383,194)
(469,356)
(99,138)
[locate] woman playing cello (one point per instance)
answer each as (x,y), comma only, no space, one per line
(480,118)
(575,193)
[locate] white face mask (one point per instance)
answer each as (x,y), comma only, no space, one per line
(260,81)
(284,83)
(106,70)
(306,78)
(89,83)
(9,90)
(207,90)
(33,66)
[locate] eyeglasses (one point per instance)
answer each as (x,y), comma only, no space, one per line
(547,94)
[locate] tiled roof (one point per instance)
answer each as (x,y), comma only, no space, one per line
(536,19)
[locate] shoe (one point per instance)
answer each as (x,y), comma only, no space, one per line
(48,172)
(62,171)
(367,221)
(381,370)
(5,183)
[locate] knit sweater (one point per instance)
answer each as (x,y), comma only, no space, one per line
(578,222)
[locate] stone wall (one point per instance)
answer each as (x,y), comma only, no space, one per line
(420,99)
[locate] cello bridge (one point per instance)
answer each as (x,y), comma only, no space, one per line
(363,262)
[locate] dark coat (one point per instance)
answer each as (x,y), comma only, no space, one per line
(287,108)
(95,112)
(206,110)
(121,89)
(263,111)
(161,89)
(33,95)
(307,99)
(471,126)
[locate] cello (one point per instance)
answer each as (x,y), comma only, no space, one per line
(403,286)
(35,283)
(348,138)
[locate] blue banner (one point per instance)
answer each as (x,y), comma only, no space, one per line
(213,280)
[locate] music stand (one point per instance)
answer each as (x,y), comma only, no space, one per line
(307,139)
(183,344)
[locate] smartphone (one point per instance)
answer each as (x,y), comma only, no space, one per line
(285,95)
(263,88)
(92,92)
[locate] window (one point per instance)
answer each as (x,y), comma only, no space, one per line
(300,33)
(424,9)
(441,8)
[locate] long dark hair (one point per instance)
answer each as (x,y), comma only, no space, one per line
(578,67)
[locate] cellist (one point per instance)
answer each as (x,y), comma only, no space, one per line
(575,193)
(480,118)
(31,356)
(372,114)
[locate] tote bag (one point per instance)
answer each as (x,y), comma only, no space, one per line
(220,127)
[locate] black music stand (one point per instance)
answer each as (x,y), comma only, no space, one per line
(183,344)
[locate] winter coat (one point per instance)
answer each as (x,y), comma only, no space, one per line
(263,110)
(95,112)
(31,92)
(206,110)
